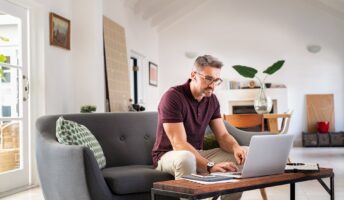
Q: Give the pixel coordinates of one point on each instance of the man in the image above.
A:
(184, 113)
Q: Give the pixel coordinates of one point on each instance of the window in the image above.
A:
(7, 75)
(6, 111)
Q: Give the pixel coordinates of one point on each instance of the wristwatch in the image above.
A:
(210, 165)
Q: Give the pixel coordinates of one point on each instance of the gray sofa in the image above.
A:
(70, 172)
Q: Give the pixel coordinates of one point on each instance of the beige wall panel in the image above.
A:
(116, 65)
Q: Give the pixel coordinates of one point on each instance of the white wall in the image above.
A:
(141, 38)
(62, 80)
(58, 64)
(88, 79)
(74, 78)
(258, 33)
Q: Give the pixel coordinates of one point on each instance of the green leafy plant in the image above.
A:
(88, 108)
(4, 39)
(250, 72)
(2, 60)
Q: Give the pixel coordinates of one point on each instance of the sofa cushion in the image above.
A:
(133, 178)
(72, 133)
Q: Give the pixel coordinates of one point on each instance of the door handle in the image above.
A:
(26, 88)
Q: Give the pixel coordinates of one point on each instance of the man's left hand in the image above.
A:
(239, 154)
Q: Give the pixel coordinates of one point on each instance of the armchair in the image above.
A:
(71, 172)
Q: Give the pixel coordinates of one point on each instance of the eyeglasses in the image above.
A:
(210, 80)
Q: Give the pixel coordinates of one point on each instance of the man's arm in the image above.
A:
(177, 136)
(226, 141)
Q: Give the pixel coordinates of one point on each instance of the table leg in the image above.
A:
(152, 195)
(292, 191)
(215, 197)
(263, 194)
(332, 187)
(330, 190)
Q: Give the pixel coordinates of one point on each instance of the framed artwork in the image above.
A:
(59, 31)
(153, 74)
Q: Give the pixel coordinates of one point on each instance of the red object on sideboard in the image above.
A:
(323, 127)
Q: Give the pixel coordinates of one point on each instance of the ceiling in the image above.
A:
(163, 13)
(335, 7)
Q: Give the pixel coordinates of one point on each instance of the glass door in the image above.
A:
(14, 148)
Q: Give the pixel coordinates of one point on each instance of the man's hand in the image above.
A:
(224, 167)
(239, 154)
(227, 141)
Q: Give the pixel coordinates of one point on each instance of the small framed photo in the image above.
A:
(59, 31)
(153, 74)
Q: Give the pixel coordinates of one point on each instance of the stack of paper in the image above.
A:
(208, 179)
(301, 167)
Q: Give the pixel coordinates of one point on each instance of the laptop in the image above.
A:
(267, 155)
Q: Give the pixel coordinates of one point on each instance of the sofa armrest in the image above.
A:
(97, 186)
(242, 137)
(61, 170)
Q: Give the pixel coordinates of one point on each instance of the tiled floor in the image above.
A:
(309, 190)
(32, 194)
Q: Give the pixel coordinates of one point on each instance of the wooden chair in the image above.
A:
(247, 121)
(273, 122)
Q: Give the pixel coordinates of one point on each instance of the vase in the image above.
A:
(262, 102)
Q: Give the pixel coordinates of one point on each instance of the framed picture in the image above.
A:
(153, 74)
(59, 31)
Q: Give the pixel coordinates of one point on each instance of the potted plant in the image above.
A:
(262, 103)
(88, 108)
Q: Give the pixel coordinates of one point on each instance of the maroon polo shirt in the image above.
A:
(178, 105)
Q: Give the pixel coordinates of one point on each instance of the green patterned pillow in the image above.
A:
(72, 133)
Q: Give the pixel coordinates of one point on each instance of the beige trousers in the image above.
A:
(180, 163)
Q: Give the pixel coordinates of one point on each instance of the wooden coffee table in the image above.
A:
(191, 190)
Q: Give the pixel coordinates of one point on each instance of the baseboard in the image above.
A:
(17, 190)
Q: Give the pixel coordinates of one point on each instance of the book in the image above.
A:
(302, 167)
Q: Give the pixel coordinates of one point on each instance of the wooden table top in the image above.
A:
(192, 188)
